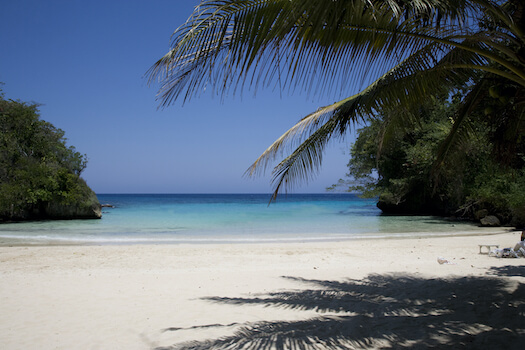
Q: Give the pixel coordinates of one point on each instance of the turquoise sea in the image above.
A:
(226, 218)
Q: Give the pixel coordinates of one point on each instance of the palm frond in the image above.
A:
(417, 48)
(226, 42)
(460, 129)
(305, 161)
(400, 89)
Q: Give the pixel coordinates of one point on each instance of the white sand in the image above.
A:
(352, 294)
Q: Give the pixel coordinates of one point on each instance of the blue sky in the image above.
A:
(85, 61)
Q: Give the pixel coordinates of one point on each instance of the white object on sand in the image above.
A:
(503, 253)
(442, 260)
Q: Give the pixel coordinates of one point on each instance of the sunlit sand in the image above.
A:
(361, 293)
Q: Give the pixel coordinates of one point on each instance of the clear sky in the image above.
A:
(85, 61)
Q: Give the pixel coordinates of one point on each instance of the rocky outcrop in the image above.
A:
(480, 214)
(414, 203)
(490, 221)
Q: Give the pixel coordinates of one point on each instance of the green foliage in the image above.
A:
(501, 191)
(401, 156)
(397, 163)
(36, 165)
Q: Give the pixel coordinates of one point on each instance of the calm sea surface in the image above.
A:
(222, 218)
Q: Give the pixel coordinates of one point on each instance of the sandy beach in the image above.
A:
(333, 295)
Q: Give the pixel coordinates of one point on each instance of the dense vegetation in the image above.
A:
(39, 174)
(482, 175)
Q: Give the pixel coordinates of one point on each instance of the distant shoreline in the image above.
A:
(43, 242)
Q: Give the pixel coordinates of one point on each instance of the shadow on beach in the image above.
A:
(386, 311)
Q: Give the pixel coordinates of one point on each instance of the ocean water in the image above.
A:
(229, 218)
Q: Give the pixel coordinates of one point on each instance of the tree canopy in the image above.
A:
(411, 49)
(398, 168)
(38, 171)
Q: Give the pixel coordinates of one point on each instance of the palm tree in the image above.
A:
(412, 48)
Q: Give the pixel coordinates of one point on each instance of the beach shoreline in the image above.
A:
(147, 296)
(14, 241)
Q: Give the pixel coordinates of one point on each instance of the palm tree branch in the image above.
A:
(489, 69)
(196, 43)
(306, 125)
(489, 40)
(305, 161)
(498, 11)
(468, 104)
(223, 44)
(449, 41)
(389, 91)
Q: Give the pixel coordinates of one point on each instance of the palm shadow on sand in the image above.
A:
(386, 311)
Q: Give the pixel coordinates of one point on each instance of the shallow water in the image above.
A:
(223, 218)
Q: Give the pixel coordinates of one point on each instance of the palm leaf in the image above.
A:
(321, 45)
(461, 129)
(312, 39)
(399, 90)
(394, 95)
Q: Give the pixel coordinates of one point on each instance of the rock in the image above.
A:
(491, 221)
(480, 214)
(413, 203)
